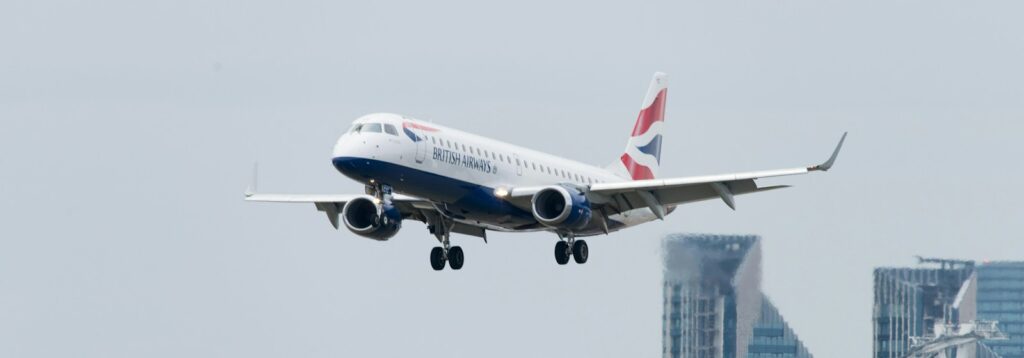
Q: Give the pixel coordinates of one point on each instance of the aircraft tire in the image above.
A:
(456, 258)
(580, 251)
(437, 258)
(562, 253)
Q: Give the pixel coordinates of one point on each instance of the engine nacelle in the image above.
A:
(561, 206)
(365, 218)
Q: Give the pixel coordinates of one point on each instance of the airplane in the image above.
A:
(457, 182)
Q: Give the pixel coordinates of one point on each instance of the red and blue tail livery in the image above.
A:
(642, 156)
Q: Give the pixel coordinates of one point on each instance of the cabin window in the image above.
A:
(390, 129)
(432, 139)
(517, 162)
(549, 170)
(534, 166)
(463, 147)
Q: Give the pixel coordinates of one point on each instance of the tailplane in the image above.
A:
(642, 156)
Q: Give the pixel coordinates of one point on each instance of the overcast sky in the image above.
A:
(128, 130)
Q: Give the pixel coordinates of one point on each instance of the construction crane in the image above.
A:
(953, 336)
(946, 264)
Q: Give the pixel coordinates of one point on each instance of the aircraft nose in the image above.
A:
(342, 147)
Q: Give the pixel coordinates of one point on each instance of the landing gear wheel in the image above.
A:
(455, 257)
(437, 258)
(580, 251)
(562, 253)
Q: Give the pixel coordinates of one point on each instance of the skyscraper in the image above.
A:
(909, 302)
(713, 304)
(1001, 298)
(773, 338)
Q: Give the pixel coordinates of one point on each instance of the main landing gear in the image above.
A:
(570, 247)
(438, 225)
(442, 229)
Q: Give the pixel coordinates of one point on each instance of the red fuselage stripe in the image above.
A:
(418, 126)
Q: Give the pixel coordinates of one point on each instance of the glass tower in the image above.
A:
(773, 338)
(713, 305)
(1001, 298)
(909, 302)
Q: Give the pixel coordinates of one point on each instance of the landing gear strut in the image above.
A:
(570, 247)
(441, 227)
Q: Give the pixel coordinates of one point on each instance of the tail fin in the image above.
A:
(642, 156)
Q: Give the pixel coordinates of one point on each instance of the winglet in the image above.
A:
(831, 160)
(251, 189)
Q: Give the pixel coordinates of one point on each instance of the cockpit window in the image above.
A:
(371, 128)
(390, 129)
(355, 128)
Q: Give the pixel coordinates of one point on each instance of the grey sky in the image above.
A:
(128, 131)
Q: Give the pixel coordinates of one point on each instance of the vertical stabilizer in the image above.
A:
(642, 156)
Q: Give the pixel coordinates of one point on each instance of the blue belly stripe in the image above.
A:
(463, 199)
(469, 200)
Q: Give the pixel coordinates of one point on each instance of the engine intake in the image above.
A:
(561, 206)
(364, 217)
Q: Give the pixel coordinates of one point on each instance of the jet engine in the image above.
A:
(561, 206)
(365, 217)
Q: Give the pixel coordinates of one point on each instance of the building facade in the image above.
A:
(1001, 298)
(773, 338)
(909, 302)
(713, 305)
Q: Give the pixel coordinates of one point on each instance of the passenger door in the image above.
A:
(421, 147)
(518, 164)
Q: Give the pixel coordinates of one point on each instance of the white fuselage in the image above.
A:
(465, 172)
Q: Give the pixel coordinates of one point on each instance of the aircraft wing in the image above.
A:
(658, 194)
(318, 198)
(331, 204)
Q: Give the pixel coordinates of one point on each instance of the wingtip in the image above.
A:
(251, 189)
(832, 159)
